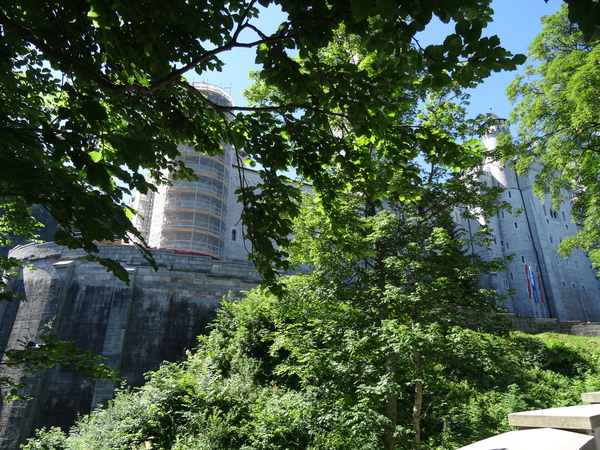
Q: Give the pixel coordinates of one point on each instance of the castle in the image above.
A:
(546, 284)
(196, 232)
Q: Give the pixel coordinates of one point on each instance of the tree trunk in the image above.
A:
(391, 408)
(418, 401)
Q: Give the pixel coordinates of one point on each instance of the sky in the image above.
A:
(516, 23)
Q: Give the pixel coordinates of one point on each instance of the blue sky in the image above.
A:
(516, 22)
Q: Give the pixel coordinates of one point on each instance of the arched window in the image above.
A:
(233, 234)
(544, 207)
(509, 194)
(551, 239)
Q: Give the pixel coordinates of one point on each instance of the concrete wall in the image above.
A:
(136, 326)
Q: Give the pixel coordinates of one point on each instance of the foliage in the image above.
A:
(558, 126)
(48, 352)
(235, 391)
(96, 91)
(586, 14)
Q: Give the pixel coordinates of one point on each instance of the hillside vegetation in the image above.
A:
(245, 387)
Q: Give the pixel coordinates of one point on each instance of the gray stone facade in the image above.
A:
(567, 287)
(136, 326)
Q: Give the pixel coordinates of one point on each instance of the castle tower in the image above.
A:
(191, 216)
(545, 284)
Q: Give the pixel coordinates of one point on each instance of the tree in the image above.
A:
(382, 319)
(558, 126)
(388, 292)
(96, 91)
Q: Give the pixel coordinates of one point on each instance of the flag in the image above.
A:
(528, 282)
(534, 285)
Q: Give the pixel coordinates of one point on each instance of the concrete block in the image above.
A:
(583, 418)
(590, 397)
(536, 439)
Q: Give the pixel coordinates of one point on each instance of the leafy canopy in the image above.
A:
(96, 91)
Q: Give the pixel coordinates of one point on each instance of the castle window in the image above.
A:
(564, 284)
(573, 284)
(544, 207)
(563, 214)
(511, 276)
(509, 194)
(566, 226)
(582, 287)
(507, 245)
(505, 282)
(551, 239)
(522, 259)
(560, 239)
(502, 212)
(233, 234)
(516, 226)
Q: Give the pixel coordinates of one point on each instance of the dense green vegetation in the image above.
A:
(246, 388)
(375, 348)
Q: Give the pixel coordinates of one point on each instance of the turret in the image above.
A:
(497, 127)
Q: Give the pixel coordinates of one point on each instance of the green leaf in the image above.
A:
(361, 9)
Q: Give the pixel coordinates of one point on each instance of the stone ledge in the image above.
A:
(582, 418)
(536, 439)
(590, 397)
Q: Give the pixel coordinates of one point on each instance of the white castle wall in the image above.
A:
(568, 285)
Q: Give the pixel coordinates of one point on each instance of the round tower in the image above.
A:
(194, 213)
(501, 172)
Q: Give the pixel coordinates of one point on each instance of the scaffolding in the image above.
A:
(194, 215)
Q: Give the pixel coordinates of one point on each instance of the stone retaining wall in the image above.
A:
(531, 325)
(136, 326)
